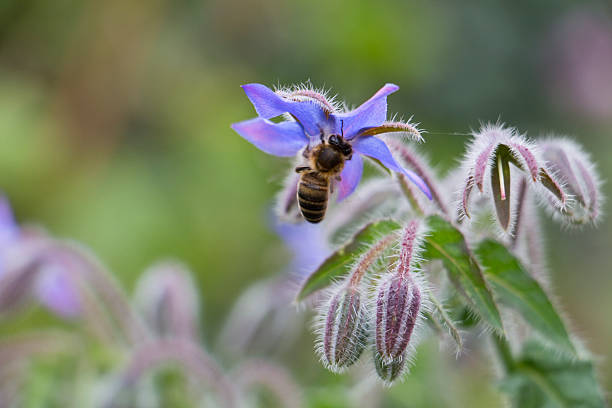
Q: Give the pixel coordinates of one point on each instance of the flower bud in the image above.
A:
(342, 322)
(261, 320)
(398, 301)
(33, 270)
(397, 309)
(166, 297)
(490, 154)
(343, 327)
(576, 171)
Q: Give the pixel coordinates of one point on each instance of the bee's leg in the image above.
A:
(301, 169)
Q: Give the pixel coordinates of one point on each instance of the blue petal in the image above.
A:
(56, 291)
(372, 112)
(279, 139)
(9, 230)
(376, 148)
(351, 175)
(269, 104)
(308, 245)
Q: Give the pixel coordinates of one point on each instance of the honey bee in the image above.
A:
(326, 161)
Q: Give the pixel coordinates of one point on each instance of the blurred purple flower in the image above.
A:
(308, 245)
(23, 270)
(55, 290)
(9, 230)
(315, 116)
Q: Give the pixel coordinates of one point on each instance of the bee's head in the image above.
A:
(338, 142)
(331, 154)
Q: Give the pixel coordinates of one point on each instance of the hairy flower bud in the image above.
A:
(577, 172)
(166, 297)
(397, 309)
(261, 320)
(342, 323)
(490, 154)
(344, 327)
(398, 302)
(30, 269)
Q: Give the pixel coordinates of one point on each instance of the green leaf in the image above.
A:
(447, 243)
(543, 378)
(516, 288)
(337, 264)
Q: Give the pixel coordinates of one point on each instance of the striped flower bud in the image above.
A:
(344, 331)
(579, 176)
(342, 323)
(398, 302)
(397, 310)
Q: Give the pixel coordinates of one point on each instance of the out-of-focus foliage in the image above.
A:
(114, 130)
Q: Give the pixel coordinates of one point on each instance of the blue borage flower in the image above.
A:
(313, 114)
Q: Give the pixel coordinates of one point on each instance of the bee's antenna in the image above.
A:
(342, 127)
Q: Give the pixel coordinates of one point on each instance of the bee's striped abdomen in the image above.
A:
(312, 196)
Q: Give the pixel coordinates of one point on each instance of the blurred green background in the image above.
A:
(114, 120)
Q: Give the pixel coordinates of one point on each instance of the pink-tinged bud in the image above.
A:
(166, 297)
(33, 271)
(342, 322)
(397, 310)
(389, 371)
(398, 301)
(262, 320)
(576, 171)
(344, 329)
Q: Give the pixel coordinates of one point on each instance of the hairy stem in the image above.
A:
(369, 258)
